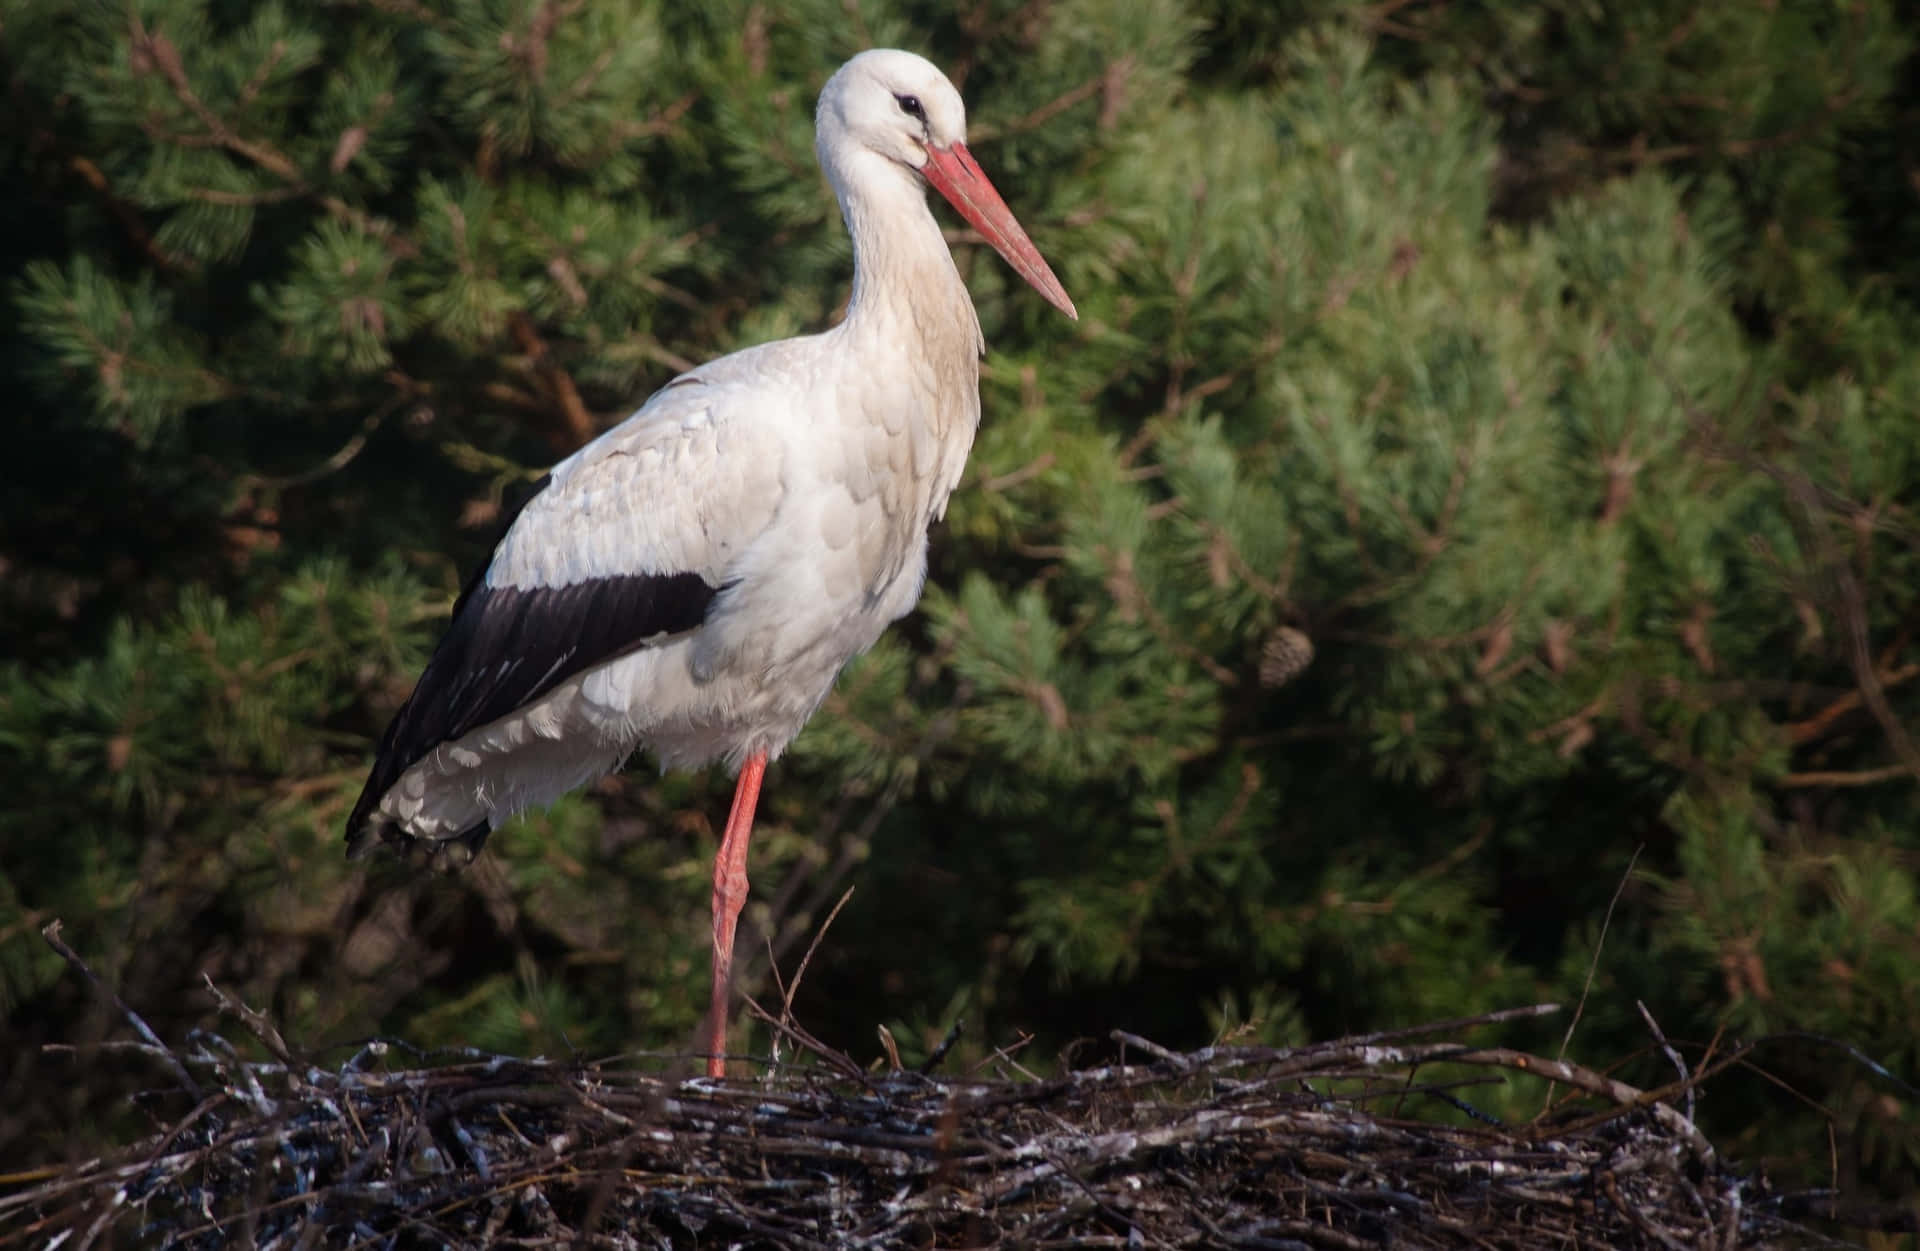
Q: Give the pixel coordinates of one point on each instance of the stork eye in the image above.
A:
(910, 105)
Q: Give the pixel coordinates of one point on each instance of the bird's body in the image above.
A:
(807, 537)
(693, 580)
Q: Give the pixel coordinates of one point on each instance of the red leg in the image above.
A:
(729, 896)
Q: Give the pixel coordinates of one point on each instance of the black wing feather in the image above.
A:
(508, 646)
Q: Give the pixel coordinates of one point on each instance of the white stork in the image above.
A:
(693, 580)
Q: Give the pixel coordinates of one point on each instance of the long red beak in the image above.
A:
(956, 175)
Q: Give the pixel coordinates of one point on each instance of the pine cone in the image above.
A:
(1285, 656)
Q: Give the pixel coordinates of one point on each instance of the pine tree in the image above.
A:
(1482, 483)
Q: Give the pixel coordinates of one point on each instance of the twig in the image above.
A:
(786, 1002)
(891, 1047)
(1679, 1065)
(1174, 1060)
(838, 1059)
(51, 932)
(1005, 1054)
(258, 1025)
(1632, 1212)
(255, 1094)
(1595, 1084)
(939, 1053)
(334, 463)
(1598, 946)
(1853, 1053)
(1457, 1025)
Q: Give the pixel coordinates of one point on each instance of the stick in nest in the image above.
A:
(1231, 1145)
(1594, 964)
(51, 932)
(259, 1026)
(789, 990)
(784, 1025)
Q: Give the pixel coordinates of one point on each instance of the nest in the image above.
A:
(1334, 1145)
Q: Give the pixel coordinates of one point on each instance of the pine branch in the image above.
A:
(157, 50)
(577, 423)
(127, 216)
(1810, 729)
(1865, 777)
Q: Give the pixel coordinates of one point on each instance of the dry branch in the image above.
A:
(1322, 1146)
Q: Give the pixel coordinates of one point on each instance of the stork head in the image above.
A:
(898, 106)
(893, 103)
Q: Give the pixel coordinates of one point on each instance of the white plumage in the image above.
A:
(693, 580)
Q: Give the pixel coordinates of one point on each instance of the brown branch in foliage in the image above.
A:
(577, 422)
(410, 9)
(124, 213)
(1112, 79)
(661, 122)
(1853, 612)
(1806, 731)
(1863, 777)
(1637, 155)
(156, 51)
(1816, 505)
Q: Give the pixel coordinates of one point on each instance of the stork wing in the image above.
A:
(626, 542)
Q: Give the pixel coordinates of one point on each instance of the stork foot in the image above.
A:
(447, 855)
(450, 855)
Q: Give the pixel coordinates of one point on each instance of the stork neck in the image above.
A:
(904, 279)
